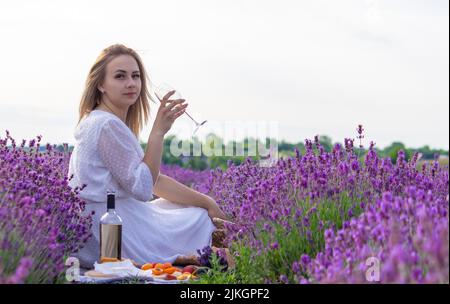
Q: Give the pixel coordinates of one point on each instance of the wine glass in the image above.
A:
(164, 88)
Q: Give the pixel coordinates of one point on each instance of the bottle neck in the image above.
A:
(111, 210)
(111, 202)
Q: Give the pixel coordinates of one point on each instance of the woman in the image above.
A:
(107, 155)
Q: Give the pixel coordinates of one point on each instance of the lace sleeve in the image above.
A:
(116, 149)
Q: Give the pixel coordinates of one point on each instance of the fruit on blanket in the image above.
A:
(170, 270)
(186, 276)
(157, 271)
(189, 269)
(107, 260)
(170, 277)
(183, 276)
(147, 266)
(163, 266)
(160, 268)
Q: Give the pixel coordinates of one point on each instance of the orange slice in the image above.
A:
(170, 270)
(157, 271)
(147, 266)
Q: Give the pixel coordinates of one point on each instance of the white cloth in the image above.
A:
(107, 155)
(119, 271)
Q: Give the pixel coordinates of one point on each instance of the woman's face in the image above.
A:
(122, 77)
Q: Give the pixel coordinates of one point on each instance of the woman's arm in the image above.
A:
(164, 119)
(169, 189)
(153, 154)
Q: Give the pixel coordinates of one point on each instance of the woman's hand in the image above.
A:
(168, 112)
(214, 210)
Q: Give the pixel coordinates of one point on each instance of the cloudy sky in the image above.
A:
(312, 67)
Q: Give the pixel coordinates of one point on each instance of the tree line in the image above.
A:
(285, 149)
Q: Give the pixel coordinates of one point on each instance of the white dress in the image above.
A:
(107, 155)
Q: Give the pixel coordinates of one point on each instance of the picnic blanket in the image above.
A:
(118, 271)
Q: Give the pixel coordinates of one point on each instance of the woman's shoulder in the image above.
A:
(98, 120)
(101, 119)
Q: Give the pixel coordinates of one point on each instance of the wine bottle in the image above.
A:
(110, 230)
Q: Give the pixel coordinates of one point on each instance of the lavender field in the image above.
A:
(318, 217)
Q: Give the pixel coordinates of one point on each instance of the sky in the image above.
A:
(309, 67)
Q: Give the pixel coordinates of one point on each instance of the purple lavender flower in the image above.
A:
(39, 212)
(21, 272)
(274, 246)
(284, 279)
(305, 259)
(295, 267)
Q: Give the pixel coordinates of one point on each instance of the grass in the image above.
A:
(266, 265)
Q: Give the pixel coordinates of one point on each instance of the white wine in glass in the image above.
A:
(164, 88)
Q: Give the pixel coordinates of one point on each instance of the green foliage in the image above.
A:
(285, 149)
(216, 274)
(326, 142)
(254, 267)
(393, 149)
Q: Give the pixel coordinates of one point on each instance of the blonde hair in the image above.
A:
(138, 113)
